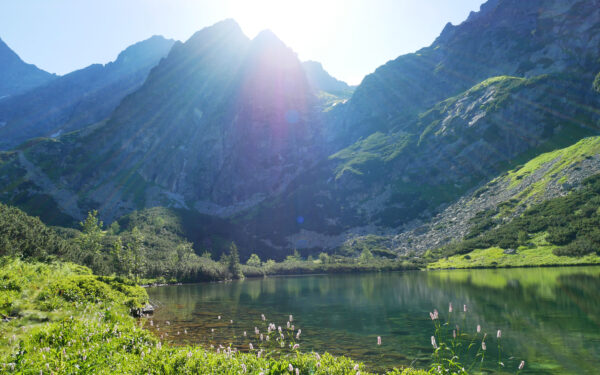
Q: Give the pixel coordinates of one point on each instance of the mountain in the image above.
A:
(79, 98)
(16, 76)
(323, 81)
(239, 132)
(506, 37)
(238, 115)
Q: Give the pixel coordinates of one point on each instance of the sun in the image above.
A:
(302, 25)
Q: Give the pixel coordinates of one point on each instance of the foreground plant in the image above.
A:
(453, 347)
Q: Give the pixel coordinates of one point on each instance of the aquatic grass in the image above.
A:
(458, 352)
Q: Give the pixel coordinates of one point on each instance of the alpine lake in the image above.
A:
(548, 317)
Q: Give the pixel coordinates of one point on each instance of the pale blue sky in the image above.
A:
(350, 37)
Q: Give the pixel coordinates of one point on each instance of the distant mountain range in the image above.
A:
(276, 154)
(16, 76)
(80, 98)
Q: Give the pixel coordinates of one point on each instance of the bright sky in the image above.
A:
(349, 37)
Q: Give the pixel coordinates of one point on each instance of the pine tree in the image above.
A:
(235, 269)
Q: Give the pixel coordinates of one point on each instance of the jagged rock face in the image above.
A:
(16, 76)
(79, 98)
(507, 37)
(273, 131)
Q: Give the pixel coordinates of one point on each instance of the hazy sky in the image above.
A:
(350, 37)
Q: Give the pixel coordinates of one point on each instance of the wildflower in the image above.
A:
(293, 327)
(290, 367)
(521, 365)
(465, 308)
(251, 346)
(261, 337)
(263, 317)
(499, 334)
(259, 353)
(454, 333)
(434, 315)
(244, 367)
(212, 330)
(356, 367)
(256, 331)
(298, 334)
(296, 346)
(297, 371)
(231, 322)
(450, 307)
(219, 317)
(317, 356)
(478, 328)
(433, 343)
(483, 345)
(189, 354)
(291, 318)
(318, 364)
(288, 325)
(378, 340)
(185, 331)
(169, 323)
(244, 333)
(279, 329)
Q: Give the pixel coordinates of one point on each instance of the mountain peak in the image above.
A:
(226, 27)
(146, 50)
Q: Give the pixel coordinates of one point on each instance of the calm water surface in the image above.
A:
(549, 317)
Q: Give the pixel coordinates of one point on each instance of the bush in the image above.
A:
(27, 237)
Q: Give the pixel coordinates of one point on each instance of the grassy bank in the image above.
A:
(59, 318)
(523, 257)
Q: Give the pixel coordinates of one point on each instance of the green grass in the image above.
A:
(525, 257)
(561, 159)
(375, 149)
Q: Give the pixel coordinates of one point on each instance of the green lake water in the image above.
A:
(549, 317)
